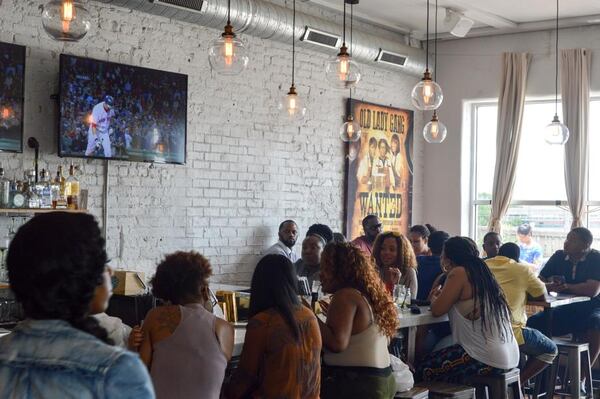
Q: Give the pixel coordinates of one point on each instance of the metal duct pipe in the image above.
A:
(265, 20)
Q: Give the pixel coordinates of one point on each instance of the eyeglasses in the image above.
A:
(376, 226)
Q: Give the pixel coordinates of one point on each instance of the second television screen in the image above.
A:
(117, 111)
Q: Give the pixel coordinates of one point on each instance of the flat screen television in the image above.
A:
(121, 112)
(12, 94)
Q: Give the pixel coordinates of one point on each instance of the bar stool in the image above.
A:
(497, 385)
(438, 390)
(573, 352)
(415, 393)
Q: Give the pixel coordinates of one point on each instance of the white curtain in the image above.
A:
(511, 103)
(575, 91)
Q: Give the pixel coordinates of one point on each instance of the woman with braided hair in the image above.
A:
(58, 273)
(479, 318)
(360, 320)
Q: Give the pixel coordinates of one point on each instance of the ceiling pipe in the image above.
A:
(265, 20)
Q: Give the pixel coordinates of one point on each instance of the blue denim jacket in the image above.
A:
(51, 359)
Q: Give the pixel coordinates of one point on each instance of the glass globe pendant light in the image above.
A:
(556, 132)
(435, 131)
(227, 55)
(292, 106)
(350, 130)
(66, 20)
(427, 95)
(343, 72)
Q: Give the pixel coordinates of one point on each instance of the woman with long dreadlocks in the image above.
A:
(479, 319)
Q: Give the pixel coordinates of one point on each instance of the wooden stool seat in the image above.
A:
(497, 385)
(447, 390)
(415, 393)
(574, 351)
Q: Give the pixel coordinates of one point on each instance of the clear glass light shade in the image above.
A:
(342, 72)
(227, 55)
(350, 131)
(435, 131)
(66, 20)
(427, 95)
(556, 132)
(292, 107)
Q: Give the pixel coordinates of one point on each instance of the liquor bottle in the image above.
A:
(61, 200)
(17, 196)
(72, 189)
(32, 199)
(44, 190)
(4, 190)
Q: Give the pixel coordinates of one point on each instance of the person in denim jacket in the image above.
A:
(57, 271)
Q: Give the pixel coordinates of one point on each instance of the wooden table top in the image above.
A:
(559, 300)
(408, 319)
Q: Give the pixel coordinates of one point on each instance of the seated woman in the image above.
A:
(185, 346)
(419, 238)
(479, 319)
(360, 320)
(282, 347)
(58, 273)
(395, 259)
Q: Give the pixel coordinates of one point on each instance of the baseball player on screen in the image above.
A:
(98, 134)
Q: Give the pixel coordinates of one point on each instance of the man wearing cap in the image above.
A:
(98, 133)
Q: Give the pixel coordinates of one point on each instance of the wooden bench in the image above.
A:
(496, 386)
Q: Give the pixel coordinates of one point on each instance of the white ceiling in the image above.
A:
(490, 16)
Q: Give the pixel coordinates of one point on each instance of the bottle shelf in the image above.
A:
(33, 211)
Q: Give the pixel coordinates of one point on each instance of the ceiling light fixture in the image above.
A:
(66, 20)
(227, 55)
(343, 72)
(350, 130)
(291, 105)
(435, 131)
(460, 25)
(556, 132)
(427, 95)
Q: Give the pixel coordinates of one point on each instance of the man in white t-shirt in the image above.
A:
(98, 133)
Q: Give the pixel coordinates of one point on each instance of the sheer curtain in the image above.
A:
(511, 103)
(575, 91)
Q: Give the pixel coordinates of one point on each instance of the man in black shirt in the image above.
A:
(575, 270)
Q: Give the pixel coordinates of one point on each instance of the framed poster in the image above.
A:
(379, 168)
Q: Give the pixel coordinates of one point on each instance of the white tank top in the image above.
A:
(490, 349)
(368, 348)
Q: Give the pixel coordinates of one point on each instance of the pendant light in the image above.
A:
(435, 131)
(556, 132)
(350, 130)
(227, 55)
(291, 105)
(343, 72)
(66, 20)
(427, 95)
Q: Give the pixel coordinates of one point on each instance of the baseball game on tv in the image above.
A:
(121, 112)
(12, 77)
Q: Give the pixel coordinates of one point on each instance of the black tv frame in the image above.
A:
(24, 52)
(59, 100)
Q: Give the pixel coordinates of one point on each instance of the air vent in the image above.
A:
(387, 57)
(187, 5)
(320, 38)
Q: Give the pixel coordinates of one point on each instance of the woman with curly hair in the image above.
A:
(185, 346)
(58, 273)
(361, 319)
(479, 318)
(396, 261)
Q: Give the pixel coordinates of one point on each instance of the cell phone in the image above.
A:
(559, 280)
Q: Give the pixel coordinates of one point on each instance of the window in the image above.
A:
(539, 194)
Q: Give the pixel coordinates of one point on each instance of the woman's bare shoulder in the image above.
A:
(163, 317)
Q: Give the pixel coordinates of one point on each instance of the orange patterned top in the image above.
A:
(273, 364)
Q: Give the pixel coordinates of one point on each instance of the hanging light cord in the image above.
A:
(344, 33)
(228, 12)
(293, 40)
(351, 41)
(427, 40)
(435, 39)
(556, 66)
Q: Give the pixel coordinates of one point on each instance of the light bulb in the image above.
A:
(427, 95)
(228, 55)
(66, 20)
(435, 131)
(556, 132)
(6, 113)
(291, 106)
(350, 130)
(343, 72)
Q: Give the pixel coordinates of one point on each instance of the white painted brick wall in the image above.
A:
(245, 171)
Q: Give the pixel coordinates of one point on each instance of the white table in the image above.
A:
(412, 321)
(239, 336)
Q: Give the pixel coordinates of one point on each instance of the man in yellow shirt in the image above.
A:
(518, 281)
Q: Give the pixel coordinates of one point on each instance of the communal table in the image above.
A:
(412, 321)
(552, 302)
